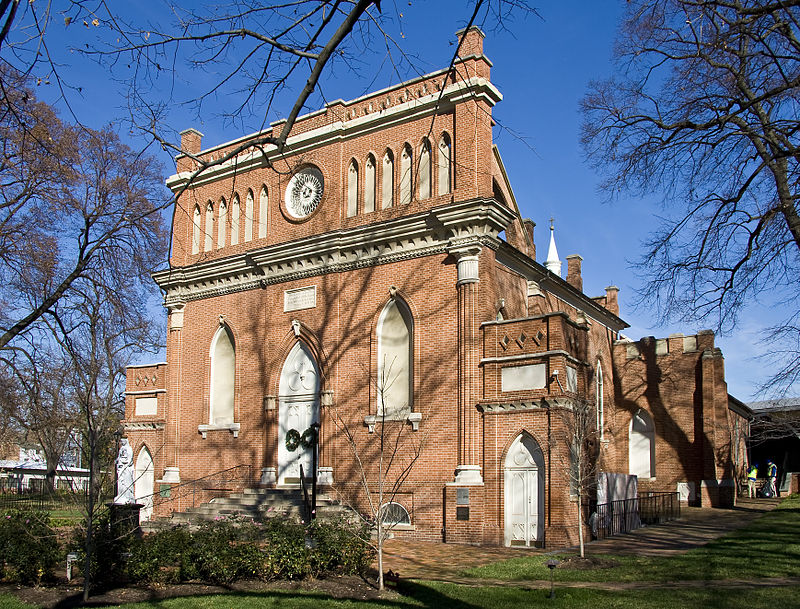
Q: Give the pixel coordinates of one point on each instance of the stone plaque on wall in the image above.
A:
(300, 298)
(522, 378)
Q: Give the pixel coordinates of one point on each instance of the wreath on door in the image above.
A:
(295, 439)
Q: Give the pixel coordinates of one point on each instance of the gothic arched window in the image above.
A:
(222, 224)
(223, 374)
(387, 180)
(248, 216)
(642, 445)
(425, 170)
(406, 182)
(263, 207)
(209, 240)
(352, 189)
(196, 230)
(395, 359)
(369, 185)
(235, 215)
(443, 164)
(598, 393)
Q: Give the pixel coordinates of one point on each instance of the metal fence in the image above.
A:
(39, 501)
(626, 515)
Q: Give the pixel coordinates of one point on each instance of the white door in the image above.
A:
(524, 493)
(143, 484)
(298, 408)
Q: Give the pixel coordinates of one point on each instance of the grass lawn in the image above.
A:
(451, 596)
(768, 547)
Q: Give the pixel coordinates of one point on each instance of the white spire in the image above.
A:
(552, 264)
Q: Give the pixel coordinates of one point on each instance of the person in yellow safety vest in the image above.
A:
(772, 475)
(752, 476)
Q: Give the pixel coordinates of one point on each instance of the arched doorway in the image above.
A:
(143, 484)
(524, 492)
(298, 409)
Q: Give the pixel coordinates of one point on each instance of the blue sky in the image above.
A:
(542, 65)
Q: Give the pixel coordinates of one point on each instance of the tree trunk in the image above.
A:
(580, 525)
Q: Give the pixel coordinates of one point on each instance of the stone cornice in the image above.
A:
(503, 407)
(476, 88)
(143, 425)
(436, 231)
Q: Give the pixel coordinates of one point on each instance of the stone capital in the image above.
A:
(467, 258)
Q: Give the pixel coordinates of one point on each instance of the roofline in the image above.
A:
(739, 407)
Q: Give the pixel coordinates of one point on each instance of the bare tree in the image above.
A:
(702, 107)
(45, 409)
(384, 452)
(574, 437)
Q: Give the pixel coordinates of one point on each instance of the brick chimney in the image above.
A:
(529, 226)
(191, 143)
(472, 43)
(574, 271)
(612, 299)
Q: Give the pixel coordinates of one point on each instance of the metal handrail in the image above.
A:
(201, 487)
(626, 515)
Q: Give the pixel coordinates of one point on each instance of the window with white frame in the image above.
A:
(223, 375)
(394, 514)
(598, 392)
(395, 360)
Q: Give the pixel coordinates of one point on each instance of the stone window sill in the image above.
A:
(231, 427)
(412, 417)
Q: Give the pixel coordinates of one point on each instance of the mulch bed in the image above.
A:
(62, 595)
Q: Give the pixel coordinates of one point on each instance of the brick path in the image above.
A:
(696, 527)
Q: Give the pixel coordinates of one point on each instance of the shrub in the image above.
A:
(29, 548)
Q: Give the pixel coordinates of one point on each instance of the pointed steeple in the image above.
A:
(552, 264)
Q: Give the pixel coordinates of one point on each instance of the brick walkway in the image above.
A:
(696, 527)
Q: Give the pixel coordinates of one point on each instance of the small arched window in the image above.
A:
(209, 240)
(235, 214)
(395, 360)
(196, 229)
(352, 189)
(263, 207)
(223, 374)
(387, 180)
(369, 185)
(425, 170)
(394, 514)
(598, 392)
(222, 224)
(248, 216)
(642, 445)
(406, 185)
(443, 164)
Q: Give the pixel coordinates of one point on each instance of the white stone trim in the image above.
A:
(269, 476)
(467, 475)
(133, 366)
(476, 223)
(171, 476)
(414, 418)
(231, 427)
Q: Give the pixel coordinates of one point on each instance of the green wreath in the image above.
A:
(308, 439)
(293, 440)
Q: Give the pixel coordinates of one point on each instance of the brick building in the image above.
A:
(378, 279)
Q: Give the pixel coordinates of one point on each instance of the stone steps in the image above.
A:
(252, 503)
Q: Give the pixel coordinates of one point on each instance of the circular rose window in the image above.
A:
(304, 192)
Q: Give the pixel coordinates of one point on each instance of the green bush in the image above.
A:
(29, 548)
(231, 549)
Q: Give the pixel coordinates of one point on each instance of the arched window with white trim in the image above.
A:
(598, 393)
(443, 164)
(352, 189)
(387, 180)
(642, 445)
(395, 360)
(249, 210)
(222, 224)
(263, 207)
(223, 375)
(369, 185)
(209, 231)
(235, 215)
(196, 230)
(406, 181)
(425, 170)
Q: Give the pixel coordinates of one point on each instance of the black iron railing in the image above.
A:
(202, 490)
(626, 515)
